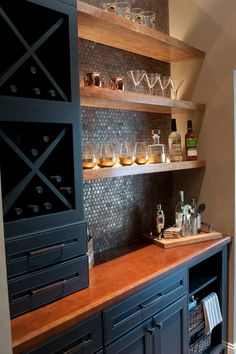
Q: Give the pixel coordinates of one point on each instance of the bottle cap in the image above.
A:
(173, 125)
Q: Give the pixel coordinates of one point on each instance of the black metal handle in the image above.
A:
(46, 250)
(151, 330)
(49, 288)
(158, 325)
(78, 347)
(145, 305)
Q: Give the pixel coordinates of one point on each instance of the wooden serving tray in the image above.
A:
(185, 240)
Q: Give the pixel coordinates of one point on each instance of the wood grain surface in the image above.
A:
(121, 33)
(109, 282)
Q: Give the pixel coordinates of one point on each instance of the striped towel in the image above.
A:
(212, 312)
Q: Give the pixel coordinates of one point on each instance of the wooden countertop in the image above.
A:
(109, 282)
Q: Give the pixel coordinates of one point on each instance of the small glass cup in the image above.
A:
(136, 14)
(141, 153)
(126, 154)
(149, 18)
(116, 83)
(107, 155)
(89, 159)
(157, 153)
(123, 9)
(109, 6)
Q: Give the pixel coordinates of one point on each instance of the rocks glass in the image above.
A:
(107, 155)
(149, 18)
(141, 153)
(126, 154)
(89, 159)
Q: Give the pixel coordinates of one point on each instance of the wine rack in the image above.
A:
(37, 63)
(39, 179)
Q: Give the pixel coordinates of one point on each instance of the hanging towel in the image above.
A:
(212, 312)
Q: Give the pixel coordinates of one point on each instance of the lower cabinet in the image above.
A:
(164, 333)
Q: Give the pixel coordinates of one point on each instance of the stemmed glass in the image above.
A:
(164, 83)
(136, 76)
(175, 85)
(152, 80)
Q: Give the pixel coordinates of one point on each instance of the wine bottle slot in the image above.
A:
(39, 189)
(67, 190)
(47, 206)
(34, 152)
(36, 91)
(57, 178)
(18, 211)
(33, 207)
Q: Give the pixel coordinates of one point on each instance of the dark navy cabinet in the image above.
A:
(40, 152)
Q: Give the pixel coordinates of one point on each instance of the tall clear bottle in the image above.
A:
(160, 221)
(174, 140)
(179, 210)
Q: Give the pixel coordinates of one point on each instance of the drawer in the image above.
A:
(122, 317)
(38, 288)
(85, 338)
(35, 251)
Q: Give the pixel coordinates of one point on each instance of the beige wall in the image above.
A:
(5, 336)
(210, 25)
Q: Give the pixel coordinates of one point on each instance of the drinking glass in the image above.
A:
(89, 156)
(164, 83)
(141, 153)
(107, 155)
(123, 9)
(149, 18)
(109, 6)
(136, 76)
(136, 14)
(126, 155)
(152, 80)
(175, 85)
(156, 153)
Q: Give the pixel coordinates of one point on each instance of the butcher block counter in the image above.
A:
(109, 283)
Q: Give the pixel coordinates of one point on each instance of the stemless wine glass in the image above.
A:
(126, 155)
(136, 76)
(151, 80)
(175, 85)
(136, 14)
(123, 9)
(109, 5)
(164, 83)
(149, 18)
(141, 153)
(107, 155)
(89, 156)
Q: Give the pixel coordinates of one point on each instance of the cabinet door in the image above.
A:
(137, 341)
(171, 331)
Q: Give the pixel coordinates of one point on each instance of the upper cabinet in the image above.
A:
(106, 28)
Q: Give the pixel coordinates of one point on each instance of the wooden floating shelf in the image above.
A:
(119, 171)
(105, 98)
(102, 27)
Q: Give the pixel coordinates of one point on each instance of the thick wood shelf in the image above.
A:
(106, 98)
(99, 26)
(118, 171)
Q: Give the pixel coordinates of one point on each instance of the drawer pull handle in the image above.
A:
(158, 325)
(77, 349)
(145, 305)
(49, 287)
(46, 250)
(151, 331)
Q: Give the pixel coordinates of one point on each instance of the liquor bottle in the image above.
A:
(34, 152)
(179, 210)
(47, 206)
(174, 140)
(36, 91)
(34, 208)
(18, 211)
(160, 221)
(52, 93)
(46, 138)
(57, 178)
(13, 88)
(33, 70)
(67, 190)
(190, 143)
(38, 189)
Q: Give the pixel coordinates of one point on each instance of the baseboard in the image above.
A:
(231, 348)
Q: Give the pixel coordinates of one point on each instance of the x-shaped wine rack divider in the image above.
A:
(9, 200)
(30, 51)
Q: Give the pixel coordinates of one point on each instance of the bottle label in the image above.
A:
(191, 152)
(178, 219)
(191, 142)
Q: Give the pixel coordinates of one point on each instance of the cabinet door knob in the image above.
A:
(151, 330)
(158, 325)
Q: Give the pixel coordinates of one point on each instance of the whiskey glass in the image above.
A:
(151, 80)
(126, 154)
(123, 9)
(149, 18)
(164, 83)
(107, 155)
(136, 77)
(141, 153)
(156, 153)
(89, 159)
(109, 6)
(175, 86)
(136, 14)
